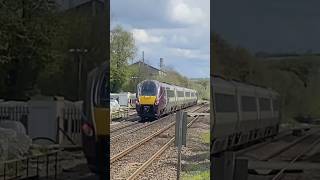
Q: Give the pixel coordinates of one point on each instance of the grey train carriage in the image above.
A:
(243, 113)
(155, 99)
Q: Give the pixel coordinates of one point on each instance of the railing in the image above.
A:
(123, 112)
(15, 112)
(37, 166)
(72, 123)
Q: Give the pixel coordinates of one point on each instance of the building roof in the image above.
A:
(145, 64)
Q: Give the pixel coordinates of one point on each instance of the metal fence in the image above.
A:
(71, 117)
(32, 167)
(15, 111)
(71, 123)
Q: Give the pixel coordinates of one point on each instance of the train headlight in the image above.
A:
(137, 102)
(87, 129)
(157, 102)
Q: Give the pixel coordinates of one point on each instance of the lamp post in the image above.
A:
(78, 59)
(134, 78)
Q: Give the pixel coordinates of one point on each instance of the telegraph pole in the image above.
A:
(78, 59)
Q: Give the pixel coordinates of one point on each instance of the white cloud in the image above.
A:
(176, 30)
(190, 53)
(182, 12)
(141, 36)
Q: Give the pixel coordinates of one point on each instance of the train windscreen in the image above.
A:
(148, 88)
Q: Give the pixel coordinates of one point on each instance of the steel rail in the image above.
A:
(157, 154)
(280, 174)
(288, 146)
(131, 148)
(132, 130)
(123, 126)
(145, 125)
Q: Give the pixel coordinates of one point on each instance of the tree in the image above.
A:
(122, 49)
(27, 29)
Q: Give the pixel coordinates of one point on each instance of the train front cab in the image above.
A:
(148, 100)
(96, 121)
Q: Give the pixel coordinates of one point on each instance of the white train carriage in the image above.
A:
(243, 113)
(155, 98)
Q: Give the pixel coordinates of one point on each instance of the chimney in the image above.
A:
(161, 63)
(143, 57)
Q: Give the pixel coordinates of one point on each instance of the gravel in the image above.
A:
(119, 144)
(195, 155)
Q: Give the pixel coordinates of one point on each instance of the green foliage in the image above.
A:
(205, 137)
(27, 29)
(34, 50)
(198, 175)
(122, 49)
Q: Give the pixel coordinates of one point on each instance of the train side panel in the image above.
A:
(225, 113)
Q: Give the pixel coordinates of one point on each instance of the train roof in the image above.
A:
(169, 85)
(245, 85)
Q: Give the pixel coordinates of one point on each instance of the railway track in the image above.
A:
(131, 135)
(309, 143)
(130, 128)
(125, 123)
(273, 147)
(261, 145)
(132, 154)
(276, 158)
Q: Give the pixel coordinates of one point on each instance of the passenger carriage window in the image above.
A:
(187, 94)
(248, 104)
(265, 104)
(170, 93)
(225, 103)
(275, 105)
(180, 94)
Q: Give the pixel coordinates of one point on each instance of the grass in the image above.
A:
(196, 175)
(205, 137)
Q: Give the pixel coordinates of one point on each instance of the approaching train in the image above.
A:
(96, 121)
(155, 99)
(243, 113)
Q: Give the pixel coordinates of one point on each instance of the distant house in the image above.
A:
(148, 69)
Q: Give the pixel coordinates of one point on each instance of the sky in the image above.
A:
(268, 25)
(176, 30)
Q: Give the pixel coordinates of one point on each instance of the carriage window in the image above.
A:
(275, 105)
(264, 104)
(248, 103)
(225, 103)
(187, 94)
(180, 94)
(170, 93)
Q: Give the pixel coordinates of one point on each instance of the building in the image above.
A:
(149, 70)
